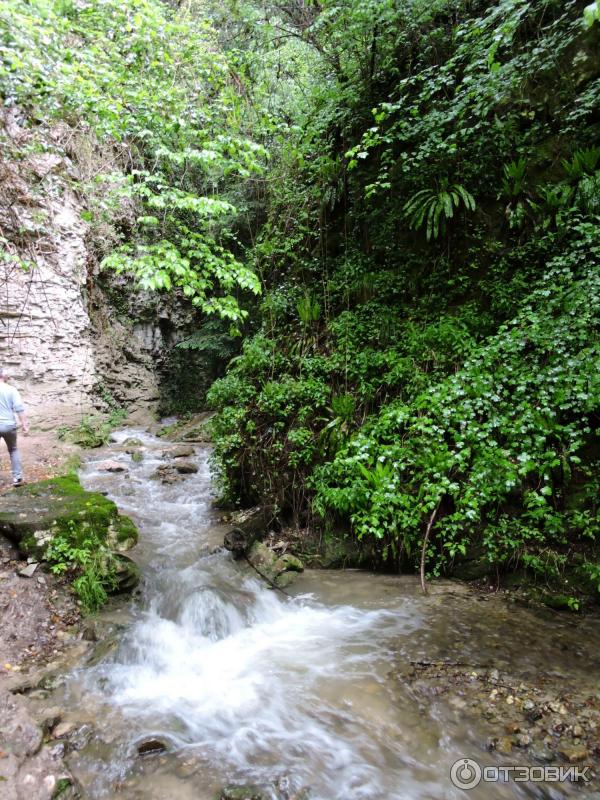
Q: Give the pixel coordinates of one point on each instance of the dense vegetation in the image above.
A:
(416, 187)
(428, 347)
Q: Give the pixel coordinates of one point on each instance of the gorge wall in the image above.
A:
(64, 345)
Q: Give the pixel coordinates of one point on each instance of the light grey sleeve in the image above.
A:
(17, 403)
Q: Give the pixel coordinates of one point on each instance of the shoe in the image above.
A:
(18, 482)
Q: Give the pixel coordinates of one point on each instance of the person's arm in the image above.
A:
(19, 410)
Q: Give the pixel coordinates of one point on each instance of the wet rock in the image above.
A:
(180, 451)
(103, 650)
(523, 740)
(288, 562)
(503, 744)
(236, 541)
(63, 729)
(278, 571)
(127, 574)
(167, 474)
(534, 714)
(80, 738)
(151, 747)
(246, 792)
(186, 467)
(49, 718)
(541, 754)
(137, 456)
(247, 526)
(133, 441)
(112, 466)
(28, 571)
(19, 734)
(573, 753)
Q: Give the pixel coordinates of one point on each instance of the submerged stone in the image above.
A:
(151, 747)
(247, 792)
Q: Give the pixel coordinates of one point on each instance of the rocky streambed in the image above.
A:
(211, 684)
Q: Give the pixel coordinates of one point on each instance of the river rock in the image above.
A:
(237, 542)
(49, 718)
(247, 792)
(127, 573)
(503, 745)
(179, 451)
(175, 472)
(573, 752)
(280, 571)
(111, 466)
(151, 747)
(186, 467)
(542, 754)
(63, 729)
(133, 441)
(247, 526)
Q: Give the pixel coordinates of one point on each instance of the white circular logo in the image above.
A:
(465, 773)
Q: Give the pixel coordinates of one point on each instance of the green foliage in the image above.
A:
(432, 209)
(90, 563)
(452, 371)
(151, 83)
(510, 426)
(93, 430)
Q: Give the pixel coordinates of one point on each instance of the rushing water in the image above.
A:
(249, 686)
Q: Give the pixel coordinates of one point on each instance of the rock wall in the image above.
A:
(63, 351)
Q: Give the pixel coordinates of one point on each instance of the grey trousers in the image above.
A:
(10, 437)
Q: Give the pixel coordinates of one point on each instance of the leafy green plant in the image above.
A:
(90, 563)
(432, 208)
(309, 310)
(583, 162)
(514, 178)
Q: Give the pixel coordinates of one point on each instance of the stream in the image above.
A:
(246, 685)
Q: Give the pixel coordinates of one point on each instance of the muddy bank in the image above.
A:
(39, 635)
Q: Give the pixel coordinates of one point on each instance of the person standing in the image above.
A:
(11, 408)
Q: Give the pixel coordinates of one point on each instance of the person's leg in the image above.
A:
(10, 437)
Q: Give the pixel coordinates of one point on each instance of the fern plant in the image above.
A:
(514, 178)
(432, 209)
(309, 310)
(583, 162)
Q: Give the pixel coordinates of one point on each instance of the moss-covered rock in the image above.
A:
(79, 534)
(236, 792)
(40, 511)
(280, 572)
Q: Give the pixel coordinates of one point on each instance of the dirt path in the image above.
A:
(43, 457)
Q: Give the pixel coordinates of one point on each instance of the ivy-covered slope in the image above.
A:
(428, 343)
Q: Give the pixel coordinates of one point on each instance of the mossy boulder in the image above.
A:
(39, 511)
(280, 572)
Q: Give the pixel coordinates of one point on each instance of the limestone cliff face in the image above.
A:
(62, 344)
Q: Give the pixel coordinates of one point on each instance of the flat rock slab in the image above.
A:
(28, 571)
